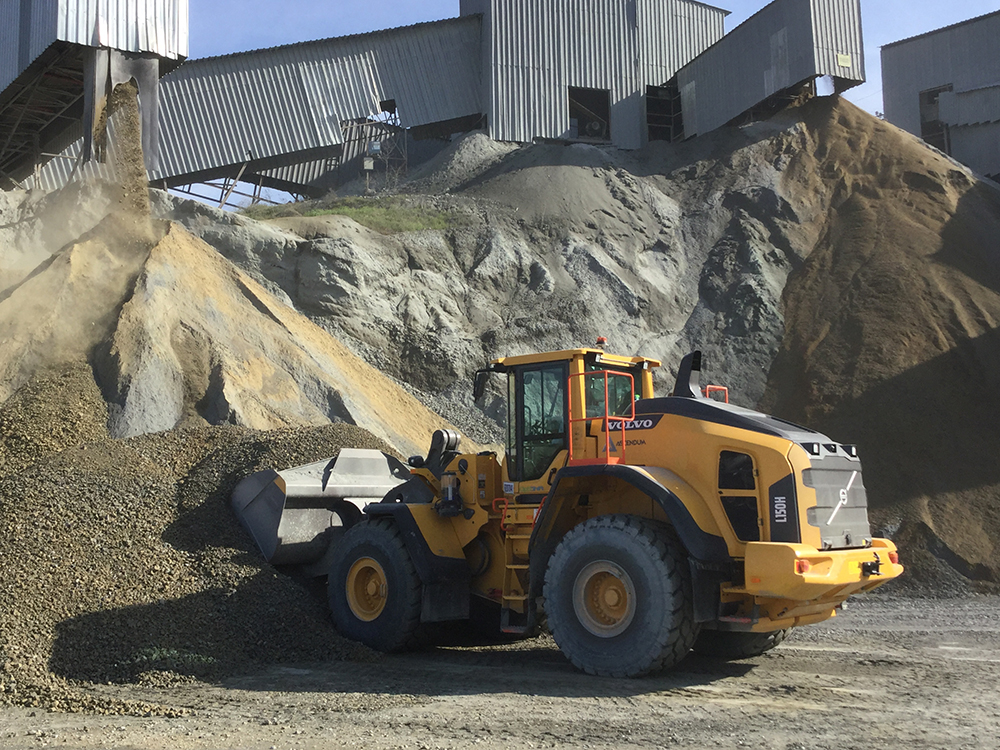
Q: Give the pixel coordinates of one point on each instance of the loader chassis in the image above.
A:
(633, 522)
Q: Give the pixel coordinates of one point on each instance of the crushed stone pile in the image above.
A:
(833, 269)
(463, 161)
(123, 562)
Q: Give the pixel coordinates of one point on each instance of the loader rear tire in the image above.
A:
(618, 597)
(373, 586)
(721, 644)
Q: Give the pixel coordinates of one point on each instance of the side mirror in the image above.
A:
(479, 384)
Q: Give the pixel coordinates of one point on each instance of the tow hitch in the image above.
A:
(873, 568)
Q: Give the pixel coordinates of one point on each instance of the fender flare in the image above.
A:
(701, 545)
(430, 567)
(446, 581)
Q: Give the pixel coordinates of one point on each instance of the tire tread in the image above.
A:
(661, 544)
(408, 634)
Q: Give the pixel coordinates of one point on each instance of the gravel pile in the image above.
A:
(53, 411)
(123, 563)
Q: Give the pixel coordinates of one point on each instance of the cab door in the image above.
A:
(537, 426)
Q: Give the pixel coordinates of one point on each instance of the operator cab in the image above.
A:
(551, 397)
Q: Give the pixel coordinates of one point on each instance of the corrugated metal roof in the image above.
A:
(784, 44)
(225, 110)
(952, 27)
(300, 46)
(974, 107)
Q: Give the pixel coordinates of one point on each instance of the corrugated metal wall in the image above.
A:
(785, 43)
(221, 111)
(536, 49)
(157, 26)
(57, 172)
(672, 33)
(974, 107)
(837, 38)
(965, 56)
(979, 147)
(29, 27)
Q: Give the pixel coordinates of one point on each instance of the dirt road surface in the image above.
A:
(887, 673)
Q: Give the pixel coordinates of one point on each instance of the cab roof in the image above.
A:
(599, 355)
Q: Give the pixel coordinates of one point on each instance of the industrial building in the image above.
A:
(60, 58)
(944, 86)
(784, 46)
(305, 117)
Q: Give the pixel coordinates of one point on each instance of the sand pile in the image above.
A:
(891, 335)
(178, 335)
(123, 563)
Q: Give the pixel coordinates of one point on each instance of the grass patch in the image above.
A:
(383, 215)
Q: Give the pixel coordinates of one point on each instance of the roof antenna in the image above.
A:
(687, 377)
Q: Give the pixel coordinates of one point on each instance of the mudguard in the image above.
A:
(446, 578)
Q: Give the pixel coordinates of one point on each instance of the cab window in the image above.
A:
(620, 395)
(541, 419)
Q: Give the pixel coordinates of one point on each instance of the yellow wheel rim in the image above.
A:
(366, 589)
(604, 599)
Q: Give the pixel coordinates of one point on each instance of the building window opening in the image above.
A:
(664, 119)
(589, 114)
(932, 130)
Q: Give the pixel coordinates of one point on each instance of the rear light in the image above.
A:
(894, 558)
(802, 566)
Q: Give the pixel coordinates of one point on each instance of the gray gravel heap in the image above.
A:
(123, 563)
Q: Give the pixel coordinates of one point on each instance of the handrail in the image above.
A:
(606, 419)
(710, 389)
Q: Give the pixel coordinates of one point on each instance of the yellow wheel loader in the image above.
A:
(641, 527)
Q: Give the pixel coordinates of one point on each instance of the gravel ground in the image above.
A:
(889, 672)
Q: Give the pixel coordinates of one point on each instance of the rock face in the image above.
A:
(550, 247)
(817, 259)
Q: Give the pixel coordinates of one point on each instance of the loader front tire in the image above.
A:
(721, 644)
(618, 597)
(374, 590)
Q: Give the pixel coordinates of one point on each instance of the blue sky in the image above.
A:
(224, 26)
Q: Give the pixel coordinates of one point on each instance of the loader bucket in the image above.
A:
(296, 514)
